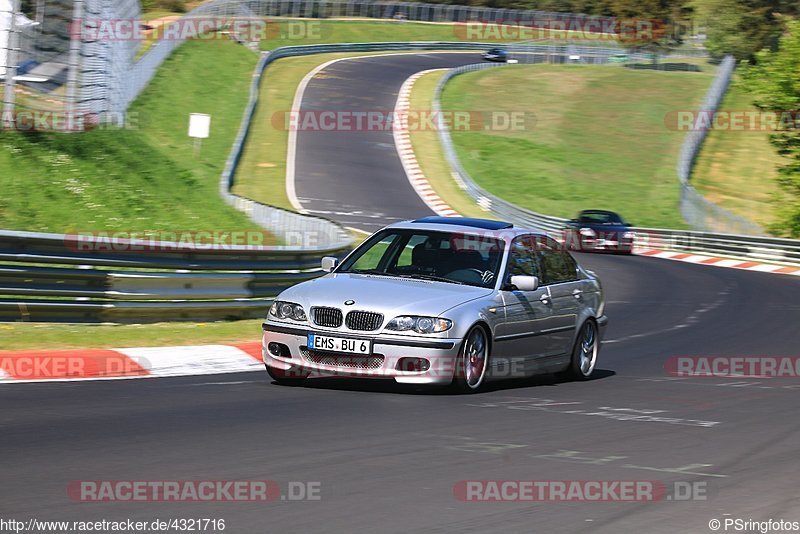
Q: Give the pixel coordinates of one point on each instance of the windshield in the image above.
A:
(600, 217)
(429, 255)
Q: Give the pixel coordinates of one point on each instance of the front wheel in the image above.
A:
(472, 362)
(584, 353)
(290, 377)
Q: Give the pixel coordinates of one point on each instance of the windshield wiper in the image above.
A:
(368, 271)
(418, 276)
(433, 277)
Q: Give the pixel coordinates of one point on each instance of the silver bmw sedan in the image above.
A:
(440, 300)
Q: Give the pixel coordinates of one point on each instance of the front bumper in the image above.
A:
(592, 244)
(442, 353)
(613, 245)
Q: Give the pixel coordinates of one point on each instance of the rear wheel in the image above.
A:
(473, 361)
(289, 377)
(584, 353)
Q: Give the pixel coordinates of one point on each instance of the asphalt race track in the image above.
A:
(355, 177)
(387, 457)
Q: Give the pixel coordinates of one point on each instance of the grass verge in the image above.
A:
(287, 31)
(737, 169)
(290, 32)
(22, 336)
(293, 32)
(599, 138)
(261, 174)
(145, 177)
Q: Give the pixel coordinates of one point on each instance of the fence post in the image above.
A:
(12, 60)
(71, 104)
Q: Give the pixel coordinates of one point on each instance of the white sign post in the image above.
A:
(199, 127)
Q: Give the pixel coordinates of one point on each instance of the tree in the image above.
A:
(28, 8)
(654, 26)
(742, 27)
(177, 6)
(775, 84)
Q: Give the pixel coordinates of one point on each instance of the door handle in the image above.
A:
(545, 298)
(577, 293)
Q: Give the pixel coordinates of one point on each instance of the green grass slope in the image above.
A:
(738, 168)
(142, 178)
(600, 139)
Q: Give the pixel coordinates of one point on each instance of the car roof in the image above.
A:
(485, 224)
(469, 225)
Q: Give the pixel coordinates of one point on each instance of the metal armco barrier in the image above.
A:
(64, 311)
(120, 90)
(497, 206)
(167, 281)
(78, 283)
(292, 227)
(700, 213)
(52, 277)
(775, 250)
(783, 251)
(29, 291)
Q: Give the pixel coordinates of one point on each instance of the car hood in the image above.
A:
(390, 296)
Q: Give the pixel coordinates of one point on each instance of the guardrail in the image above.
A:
(573, 53)
(294, 228)
(53, 277)
(123, 89)
(702, 214)
(288, 226)
(782, 251)
(756, 248)
(502, 209)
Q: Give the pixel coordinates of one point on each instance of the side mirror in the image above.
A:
(525, 283)
(329, 263)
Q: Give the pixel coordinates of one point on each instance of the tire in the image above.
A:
(584, 353)
(473, 360)
(291, 377)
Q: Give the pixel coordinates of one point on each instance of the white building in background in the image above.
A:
(6, 14)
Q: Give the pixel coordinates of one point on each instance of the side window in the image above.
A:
(406, 258)
(557, 265)
(522, 258)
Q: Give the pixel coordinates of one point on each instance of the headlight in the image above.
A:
(287, 310)
(422, 325)
(588, 232)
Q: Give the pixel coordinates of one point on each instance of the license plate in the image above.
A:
(339, 344)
